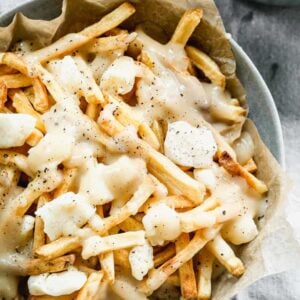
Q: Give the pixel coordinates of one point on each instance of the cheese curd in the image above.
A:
(190, 146)
(15, 129)
(65, 215)
(161, 223)
(57, 284)
(141, 260)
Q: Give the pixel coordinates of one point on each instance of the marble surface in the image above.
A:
(271, 38)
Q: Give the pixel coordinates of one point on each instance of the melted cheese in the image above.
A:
(188, 146)
(15, 129)
(65, 215)
(56, 284)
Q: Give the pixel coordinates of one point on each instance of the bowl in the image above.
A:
(262, 108)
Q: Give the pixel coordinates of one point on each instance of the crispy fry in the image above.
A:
(14, 61)
(46, 297)
(121, 259)
(68, 178)
(38, 266)
(186, 271)
(71, 42)
(22, 105)
(13, 81)
(250, 166)
(225, 255)
(92, 110)
(235, 169)
(205, 265)
(158, 276)
(6, 70)
(58, 247)
(3, 94)
(186, 26)
(210, 69)
(34, 137)
(158, 131)
(131, 224)
(164, 255)
(40, 101)
(90, 288)
(39, 236)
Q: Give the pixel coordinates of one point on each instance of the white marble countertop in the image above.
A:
(271, 38)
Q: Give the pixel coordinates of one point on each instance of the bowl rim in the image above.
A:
(7, 17)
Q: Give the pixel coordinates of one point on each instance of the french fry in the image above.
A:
(40, 101)
(131, 224)
(6, 70)
(225, 255)
(162, 256)
(38, 235)
(92, 110)
(173, 280)
(38, 266)
(143, 192)
(203, 62)
(186, 26)
(68, 178)
(205, 267)
(156, 277)
(22, 105)
(13, 81)
(71, 42)
(97, 245)
(58, 247)
(13, 61)
(3, 94)
(34, 137)
(121, 259)
(90, 288)
(158, 131)
(235, 169)
(186, 271)
(250, 166)
(46, 297)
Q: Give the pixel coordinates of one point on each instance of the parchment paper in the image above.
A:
(275, 249)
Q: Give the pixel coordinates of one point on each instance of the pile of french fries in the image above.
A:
(29, 84)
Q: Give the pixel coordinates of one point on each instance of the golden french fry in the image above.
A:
(158, 131)
(6, 70)
(38, 235)
(121, 259)
(90, 288)
(71, 42)
(68, 178)
(34, 137)
(210, 69)
(173, 280)
(22, 105)
(92, 110)
(131, 224)
(205, 267)
(40, 102)
(38, 266)
(13, 61)
(3, 94)
(46, 297)
(225, 255)
(59, 247)
(186, 271)
(250, 166)
(235, 169)
(156, 277)
(186, 26)
(13, 81)
(164, 255)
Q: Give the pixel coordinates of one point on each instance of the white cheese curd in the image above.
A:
(102, 183)
(65, 215)
(161, 223)
(15, 129)
(207, 177)
(189, 146)
(119, 77)
(50, 151)
(141, 260)
(57, 284)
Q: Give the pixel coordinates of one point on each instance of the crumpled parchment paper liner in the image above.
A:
(275, 249)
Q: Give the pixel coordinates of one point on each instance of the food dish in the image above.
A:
(163, 73)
